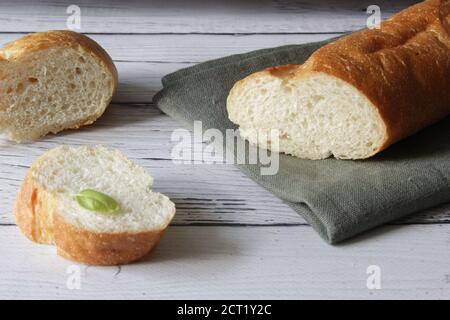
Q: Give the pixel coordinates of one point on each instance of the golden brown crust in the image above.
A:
(403, 68)
(37, 217)
(33, 211)
(24, 209)
(285, 71)
(102, 248)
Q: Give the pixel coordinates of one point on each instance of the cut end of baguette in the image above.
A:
(316, 115)
(53, 81)
(47, 212)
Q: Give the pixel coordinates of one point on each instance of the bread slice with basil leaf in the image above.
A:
(94, 204)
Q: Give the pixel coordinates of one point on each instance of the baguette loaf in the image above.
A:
(354, 97)
(47, 212)
(53, 81)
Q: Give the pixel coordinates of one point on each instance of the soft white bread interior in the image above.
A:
(316, 117)
(46, 210)
(53, 81)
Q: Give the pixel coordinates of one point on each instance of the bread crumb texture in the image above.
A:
(53, 81)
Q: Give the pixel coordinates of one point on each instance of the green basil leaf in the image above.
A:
(96, 201)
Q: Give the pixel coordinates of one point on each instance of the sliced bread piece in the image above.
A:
(315, 117)
(354, 97)
(52, 81)
(47, 211)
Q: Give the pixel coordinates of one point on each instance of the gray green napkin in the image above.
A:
(339, 198)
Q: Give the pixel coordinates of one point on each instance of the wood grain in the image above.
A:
(242, 263)
(161, 16)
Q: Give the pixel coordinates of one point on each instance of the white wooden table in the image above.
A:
(230, 238)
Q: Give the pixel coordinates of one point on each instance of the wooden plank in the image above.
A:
(204, 193)
(268, 16)
(140, 81)
(185, 48)
(242, 263)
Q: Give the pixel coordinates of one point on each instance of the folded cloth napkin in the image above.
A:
(339, 198)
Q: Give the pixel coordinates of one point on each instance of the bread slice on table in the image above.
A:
(354, 97)
(47, 211)
(52, 81)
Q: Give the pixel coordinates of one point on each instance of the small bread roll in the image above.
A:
(52, 81)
